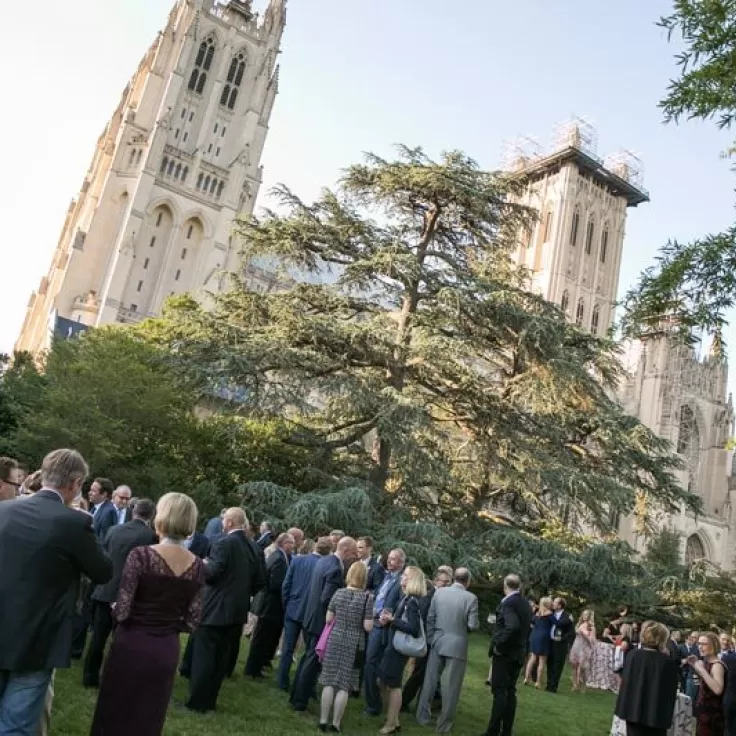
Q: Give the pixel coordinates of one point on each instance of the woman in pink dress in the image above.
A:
(582, 649)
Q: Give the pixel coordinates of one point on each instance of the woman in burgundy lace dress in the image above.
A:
(160, 597)
(709, 711)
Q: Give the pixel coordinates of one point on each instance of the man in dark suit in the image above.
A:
(265, 536)
(44, 548)
(387, 597)
(234, 573)
(121, 501)
(508, 649)
(294, 593)
(199, 545)
(270, 624)
(213, 530)
(104, 513)
(563, 632)
(327, 577)
(375, 572)
(120, 540)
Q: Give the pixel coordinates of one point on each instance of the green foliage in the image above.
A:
(419, 364)
(692, 285)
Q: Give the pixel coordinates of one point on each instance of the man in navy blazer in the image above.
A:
(294, 594)
(104, 513)
(387, 597)
(328, 576)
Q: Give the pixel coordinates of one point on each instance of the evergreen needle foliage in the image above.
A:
(410, 362)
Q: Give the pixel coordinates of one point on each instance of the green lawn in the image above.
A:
(259, 709)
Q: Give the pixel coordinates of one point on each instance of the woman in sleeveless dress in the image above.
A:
(539, 643)
(351, 608)
(160, 597)
(581, 651)
(709, 713)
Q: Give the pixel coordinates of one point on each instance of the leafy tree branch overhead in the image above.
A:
(692, 285)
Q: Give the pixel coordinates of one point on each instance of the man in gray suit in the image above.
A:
(453, 614)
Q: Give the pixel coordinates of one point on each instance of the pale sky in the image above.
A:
(358, 76)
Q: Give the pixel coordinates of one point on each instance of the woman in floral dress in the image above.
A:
(582, 649)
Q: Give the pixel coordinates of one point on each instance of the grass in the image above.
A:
(260, 709)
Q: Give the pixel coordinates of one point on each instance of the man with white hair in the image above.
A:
(121, 501)
(234, 573)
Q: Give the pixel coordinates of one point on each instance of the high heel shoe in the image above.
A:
(323, 727)
(385, 731)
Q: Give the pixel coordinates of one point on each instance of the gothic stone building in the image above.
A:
(175, 164)
(574, 255)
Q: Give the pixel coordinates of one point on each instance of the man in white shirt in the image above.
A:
(121, 500)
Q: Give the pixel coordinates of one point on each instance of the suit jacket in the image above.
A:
(234, 573)
(44, 547)
(453, 614)
(264, 540)
(119, 541)
(272, 607)
(564, 629)
(127, 516)
(375, 575)
(199, 545)
(392, 593)
(295, 590)
(326, 579)
(510, 635)
(213, 528)
(105, 516)
(729, 695)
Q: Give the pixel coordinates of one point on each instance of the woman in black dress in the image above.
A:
(709, 712)
(646, 700)
(406, 618)
(539, 643)
(160, 597)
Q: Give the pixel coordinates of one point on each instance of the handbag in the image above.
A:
(324, 637)
(408, 645)
(359, 661)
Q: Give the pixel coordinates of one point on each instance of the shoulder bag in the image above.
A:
(408, 645)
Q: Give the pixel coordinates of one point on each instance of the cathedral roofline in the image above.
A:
(620, 187)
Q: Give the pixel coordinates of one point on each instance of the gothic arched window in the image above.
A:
(548, 226)
(139, 156)
(199, 180)
(589, 236)
(202, 64)
(574, 229)
(206, 183)
(565, 301)
(595, 319)
(694, 549)
(688, 443)
(604, 245)
(132, 158)
(234, 79)
(220, 187)
(177, 173)
(213, 186)
(580, 313)
(164, 164)
(185, 173)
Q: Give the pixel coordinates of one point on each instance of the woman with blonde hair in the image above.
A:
(351, 608)
(406, 618)
(581, 651)
(540, 642)
(160, 597)
(646, 700)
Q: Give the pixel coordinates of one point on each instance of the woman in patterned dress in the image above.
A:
(581, 651)
(711, 720)
(351, 608)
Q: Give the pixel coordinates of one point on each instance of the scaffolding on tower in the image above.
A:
(519, 152)
(577, 132)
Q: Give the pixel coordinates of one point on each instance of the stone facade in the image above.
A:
(573, 254)
(177, 161)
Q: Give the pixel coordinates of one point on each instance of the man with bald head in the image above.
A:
(235, 571)
(453, 614)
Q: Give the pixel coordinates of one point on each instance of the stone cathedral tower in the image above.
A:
(574, 251)
(175, 164)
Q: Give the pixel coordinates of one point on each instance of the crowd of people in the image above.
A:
(139, 573)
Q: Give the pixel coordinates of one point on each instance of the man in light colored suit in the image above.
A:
(453, 614)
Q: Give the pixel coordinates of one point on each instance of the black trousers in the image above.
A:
(236, 636)
(102, 626)
(82, 620)
(730, 712)
(185, 668)
(555, 664)
(263, 645)
(209, 659)
(504, 677)
(634, 729)
(307, 673)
